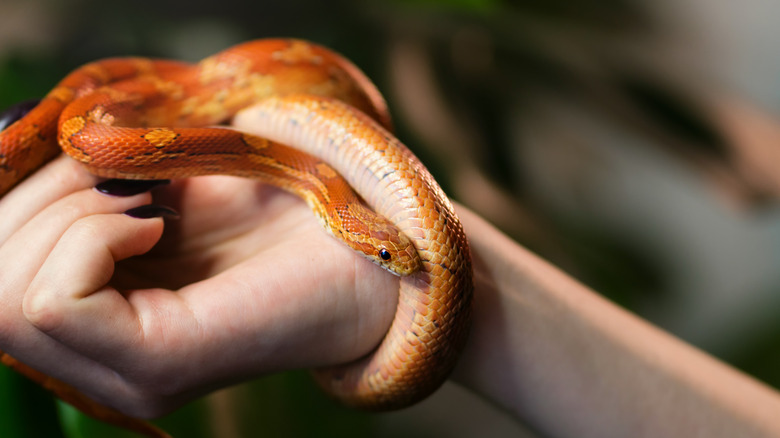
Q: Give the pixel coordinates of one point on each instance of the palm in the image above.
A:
(246, 282)
(235, 231)
(224, 222)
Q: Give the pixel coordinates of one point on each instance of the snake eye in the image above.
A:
(384, 254)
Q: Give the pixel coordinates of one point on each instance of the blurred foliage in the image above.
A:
(493, 61)
(25, 78)
(26, 410)
(761, 357)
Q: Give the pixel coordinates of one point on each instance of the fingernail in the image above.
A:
(16, 112)
(152, 211)
(129, 187)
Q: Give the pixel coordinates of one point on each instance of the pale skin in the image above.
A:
(247, 283)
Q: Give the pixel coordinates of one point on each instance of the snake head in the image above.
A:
(375, 237)
(397, 254)
(384, 244)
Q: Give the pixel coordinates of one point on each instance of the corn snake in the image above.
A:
(144, 119)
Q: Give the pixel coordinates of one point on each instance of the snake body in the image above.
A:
(148, 119)
(433, 302)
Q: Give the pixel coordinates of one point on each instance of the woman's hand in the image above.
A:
(145, 314)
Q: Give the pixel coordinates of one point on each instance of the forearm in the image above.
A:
(571, 364)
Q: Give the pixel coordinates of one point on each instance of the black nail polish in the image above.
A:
(16, 112)
(128, 187)
(152, 211)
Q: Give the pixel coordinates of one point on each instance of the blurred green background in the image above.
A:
(632, 143)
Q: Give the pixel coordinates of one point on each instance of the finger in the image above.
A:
(56, 180)
(20, 258)
(25, 250)
(23, 254)
(69, 297)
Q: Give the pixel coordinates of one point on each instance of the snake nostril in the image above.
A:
(384, 254)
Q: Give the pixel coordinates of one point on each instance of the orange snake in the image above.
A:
(138, 118)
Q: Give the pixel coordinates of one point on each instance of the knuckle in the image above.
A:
(75, 206)
(41, 309)
(86, 229)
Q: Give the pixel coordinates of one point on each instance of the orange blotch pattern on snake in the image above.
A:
(161, 137)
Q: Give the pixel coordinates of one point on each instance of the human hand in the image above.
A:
(143, 314)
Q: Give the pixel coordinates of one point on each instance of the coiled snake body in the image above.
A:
(146, 119)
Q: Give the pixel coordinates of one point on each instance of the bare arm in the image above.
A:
(571, 364)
